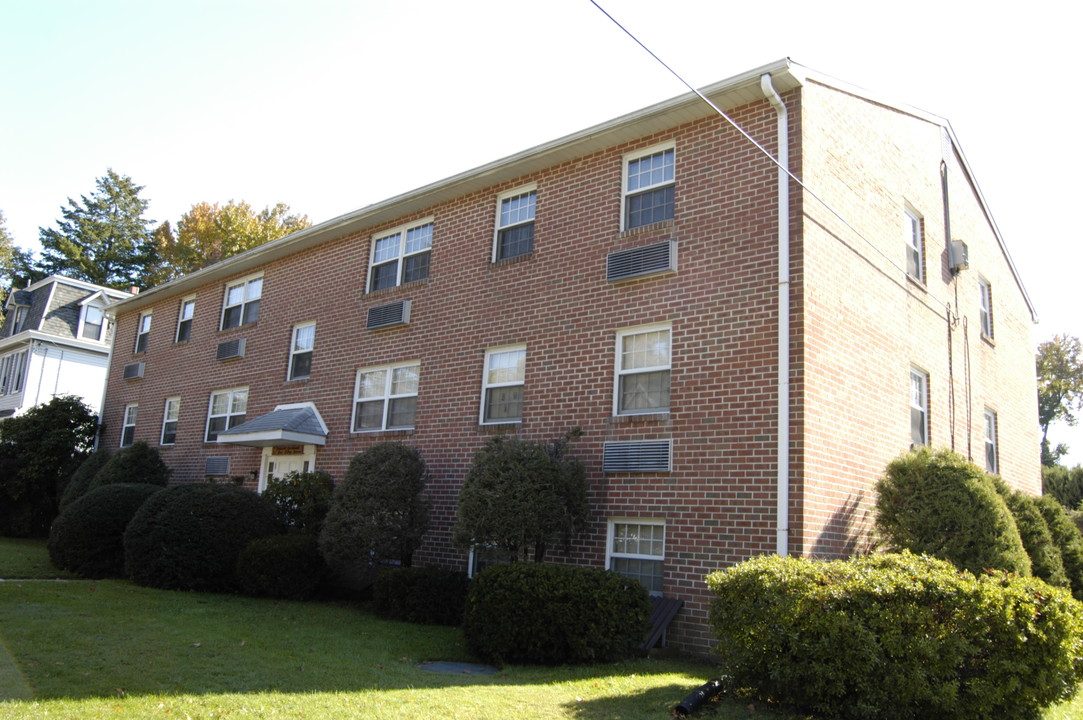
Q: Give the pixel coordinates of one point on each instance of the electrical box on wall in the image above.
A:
(960, 256)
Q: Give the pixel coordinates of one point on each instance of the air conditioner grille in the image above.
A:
(640, 261)
(637, 456)
(396, 313)
(217, 466)
(134, 371)
(231, 349)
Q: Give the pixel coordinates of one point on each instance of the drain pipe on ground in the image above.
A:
(782, 530)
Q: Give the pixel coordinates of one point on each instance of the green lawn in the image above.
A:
(111, 649)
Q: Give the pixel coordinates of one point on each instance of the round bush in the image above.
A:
(552, 614)
(1067, 538)
(87, 538)
(1045, 557)
(79, 482)
(188, 537)
(429, 595)
(301, 500)
(281, 566)
(137, 463)
(896, 636)
(941, 505)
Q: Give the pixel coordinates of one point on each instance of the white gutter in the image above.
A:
(782, 539)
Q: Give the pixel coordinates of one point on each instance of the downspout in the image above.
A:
(782, 530)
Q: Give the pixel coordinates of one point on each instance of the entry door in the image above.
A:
(278, 465)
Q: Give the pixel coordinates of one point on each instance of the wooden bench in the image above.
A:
(663, 610)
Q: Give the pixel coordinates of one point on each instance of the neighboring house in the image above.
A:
(55, 341)
(744, 359)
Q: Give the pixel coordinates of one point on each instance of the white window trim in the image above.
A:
(525, 190)
(916, 372)
(401, 231)
(82, 323)
(486, 385)
(12, 372)
(294, 351)
(991, 439)
(611, 535)
(180, 319)
(387, 397)
(245, 301)
(175, 401)
(626, 160)
(141, 333)
(985, 304)
(210, 407)
(133, 411)
(619, 372)
(914, 237)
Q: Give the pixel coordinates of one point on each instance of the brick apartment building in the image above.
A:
(743, 353)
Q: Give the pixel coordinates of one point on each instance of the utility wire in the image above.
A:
(759, 147)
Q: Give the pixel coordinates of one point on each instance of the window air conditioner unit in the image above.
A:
(638, 456)
(381, 316)
(216, 467)
(231, 349)
(134, 371)
(640, 261)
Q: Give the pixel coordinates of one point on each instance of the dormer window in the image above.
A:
(21, 312)
(93, 323)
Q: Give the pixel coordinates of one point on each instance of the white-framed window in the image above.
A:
(643, 370)
(170, 416)
(992, 460)
(636, 548)
(142, 332)
(919, 407)
(515, 223)
(227, 409)
(985, 290)
(648, 187)
(914, 239)
(19, 324)
(385, 398)
(502, 385)
(12, 370)
(400, 256)
(184, 320)
(127, 429)
(92, 323)
(241, 303)
(304, 339)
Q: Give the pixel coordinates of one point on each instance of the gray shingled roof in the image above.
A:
(281, 424)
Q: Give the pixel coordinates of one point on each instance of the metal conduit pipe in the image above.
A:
(782, 527)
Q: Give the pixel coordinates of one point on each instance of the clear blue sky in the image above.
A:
(331, 105)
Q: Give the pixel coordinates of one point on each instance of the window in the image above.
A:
(636, 549)
(648, 188)
(643, 368)
(184, 320)
(385, 398)
(502, 386)
(241, 305)
(12, 369)
(169, 421)
(991, 460)
(400, 257)
(912, 235)
(515, 224)
(226, 410)
(986, 312)
(93, 322)
(919, 407)
(127, 430)
(304, 336)
(21, 313)
(142, 333)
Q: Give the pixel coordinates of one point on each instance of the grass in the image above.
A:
(98, 649)
(111, 649)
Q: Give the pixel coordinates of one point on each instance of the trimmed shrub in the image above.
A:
(1045, 559)
(137, 463)
(188, 537)
(941, 505)
(87, 538)
(1068, 540)
(378, 513)
(552, 614)
(1066, 485)
(301, 500)
(429, 595)
(79, 482)
(897, 636)
(281, 566)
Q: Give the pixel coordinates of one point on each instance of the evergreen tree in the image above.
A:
(104, 238)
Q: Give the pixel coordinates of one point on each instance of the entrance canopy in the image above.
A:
(298, 424)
